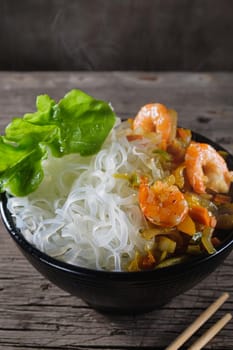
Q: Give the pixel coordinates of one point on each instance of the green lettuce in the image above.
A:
(78, 123)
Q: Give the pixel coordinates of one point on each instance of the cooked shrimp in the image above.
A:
(162, 204)
(205, 168)
(155, 117)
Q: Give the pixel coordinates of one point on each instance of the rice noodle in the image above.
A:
(84, 215)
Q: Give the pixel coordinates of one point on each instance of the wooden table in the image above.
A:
(34, 314)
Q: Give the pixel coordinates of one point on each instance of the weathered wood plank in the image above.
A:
(34, 314)
(203, 100)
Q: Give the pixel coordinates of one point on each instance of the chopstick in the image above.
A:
(210, 333)
(200, 320)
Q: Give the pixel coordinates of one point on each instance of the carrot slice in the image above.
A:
(184, 134)
(202, 215)
(133, 137)
(148, 262)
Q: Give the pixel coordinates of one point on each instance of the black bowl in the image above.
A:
(122, 291)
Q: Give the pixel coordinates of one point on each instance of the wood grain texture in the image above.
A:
(34, 314)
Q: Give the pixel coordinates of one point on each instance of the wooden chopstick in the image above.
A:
(200, 320)
(210, 333)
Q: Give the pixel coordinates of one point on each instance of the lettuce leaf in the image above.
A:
(78, 123)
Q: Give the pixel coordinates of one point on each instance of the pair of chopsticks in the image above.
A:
(200, 320)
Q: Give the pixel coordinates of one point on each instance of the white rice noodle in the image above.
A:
(86, 216)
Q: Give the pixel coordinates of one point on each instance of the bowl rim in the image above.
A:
(179, 268)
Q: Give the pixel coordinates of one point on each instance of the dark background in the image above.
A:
(116, 35)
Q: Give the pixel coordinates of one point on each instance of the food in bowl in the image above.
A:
(91, 190)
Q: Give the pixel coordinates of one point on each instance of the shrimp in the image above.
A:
(205, 168)
(155, 117)
(162, 204)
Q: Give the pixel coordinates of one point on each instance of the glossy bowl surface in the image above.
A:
(122, 291)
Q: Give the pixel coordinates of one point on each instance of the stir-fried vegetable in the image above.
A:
(184, 209)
